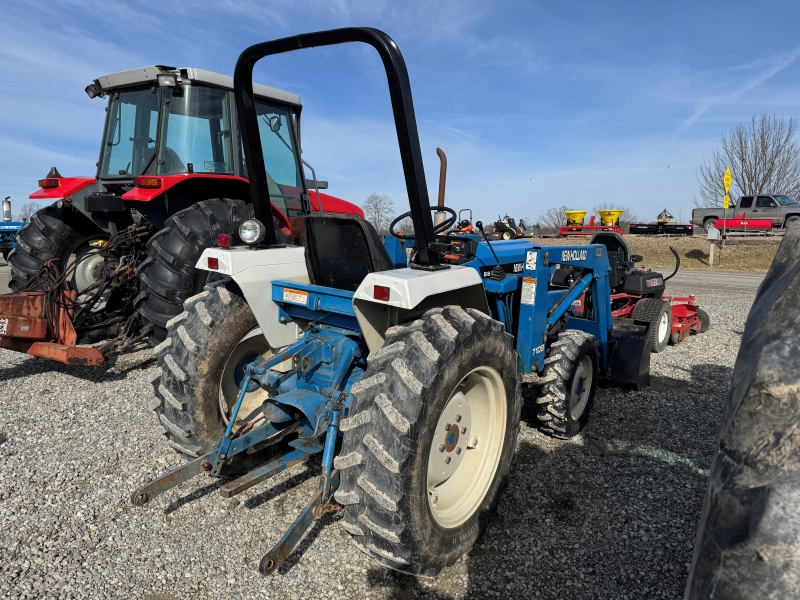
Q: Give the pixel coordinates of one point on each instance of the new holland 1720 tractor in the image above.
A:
(403, 380)
(116, 253)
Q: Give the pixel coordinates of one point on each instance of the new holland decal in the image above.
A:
(571, 255)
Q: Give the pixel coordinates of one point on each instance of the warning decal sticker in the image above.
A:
(528, 291)
(295, 296)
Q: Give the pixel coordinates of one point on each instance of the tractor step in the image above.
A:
(262, 473)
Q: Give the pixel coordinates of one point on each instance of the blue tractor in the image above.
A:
(399, 361)
(8, 230)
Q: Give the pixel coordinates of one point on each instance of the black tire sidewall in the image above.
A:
(222, 342)
(665, 309)
(705, 320)
(574, 426)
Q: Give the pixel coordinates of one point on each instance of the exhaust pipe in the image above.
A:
(439, 216)
(7, 209)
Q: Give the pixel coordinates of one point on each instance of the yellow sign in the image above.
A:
(727, 180)
(726, 201)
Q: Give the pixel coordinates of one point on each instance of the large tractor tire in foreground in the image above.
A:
(168, 275)
(568, 384)
(748, 543)
(429, 440)
(201, 365)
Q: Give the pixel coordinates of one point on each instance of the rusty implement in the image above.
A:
(24, 328)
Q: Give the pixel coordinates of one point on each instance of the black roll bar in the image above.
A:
(402, 107)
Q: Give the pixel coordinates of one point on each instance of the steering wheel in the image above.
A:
(443, 226)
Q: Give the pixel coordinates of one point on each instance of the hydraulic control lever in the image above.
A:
(498, 273)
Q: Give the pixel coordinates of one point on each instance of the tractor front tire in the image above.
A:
(200, 363)
(168, 275)
(429, 439)
(658, 313)
(568, 384)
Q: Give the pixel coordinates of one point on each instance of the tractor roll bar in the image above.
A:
(402, 107)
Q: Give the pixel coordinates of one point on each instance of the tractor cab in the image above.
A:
(171, 138)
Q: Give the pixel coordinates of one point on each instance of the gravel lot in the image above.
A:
(610, 514)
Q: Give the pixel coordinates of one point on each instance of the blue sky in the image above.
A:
(536, 104)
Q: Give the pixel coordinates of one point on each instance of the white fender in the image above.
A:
(411, 293)
(254, 271)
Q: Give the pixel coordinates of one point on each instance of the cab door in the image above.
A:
(766, 207)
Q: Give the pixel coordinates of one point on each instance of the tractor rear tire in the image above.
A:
(659, 314)
(168, 275)
(705, 320)
(392, 438)
(46, 237)
(748, 537)
(565, 398)
(195, 383)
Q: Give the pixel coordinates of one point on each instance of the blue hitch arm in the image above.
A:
(319, 504)
(559, 309)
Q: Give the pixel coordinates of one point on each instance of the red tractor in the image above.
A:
(115, 254)
(638, 293)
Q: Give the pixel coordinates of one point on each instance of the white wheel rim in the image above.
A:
(581, 387)
(663, 328)
(252, 342)
(476, 415)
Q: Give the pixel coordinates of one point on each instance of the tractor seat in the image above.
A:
(342, 250)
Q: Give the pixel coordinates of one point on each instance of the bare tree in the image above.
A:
(26, 211)
(551, 219)
(406, 226)
(626, 218)
(764, 157)
(379, 210)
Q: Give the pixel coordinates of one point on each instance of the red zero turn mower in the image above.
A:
(638, 294)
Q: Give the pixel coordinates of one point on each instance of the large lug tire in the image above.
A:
(659, 314)
(399, 507)
(709, 224)
(46, 237)
(568, 384)
(748, 537)
(168, 275)
(201, 363)
(705, 320)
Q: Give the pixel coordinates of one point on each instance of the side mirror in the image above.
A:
(323, 185)
(636, 258)
(275, 123)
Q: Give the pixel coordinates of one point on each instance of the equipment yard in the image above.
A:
(610, 513)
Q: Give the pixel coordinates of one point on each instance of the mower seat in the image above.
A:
(619, 254)
(342, 250)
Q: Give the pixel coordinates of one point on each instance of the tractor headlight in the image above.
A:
(252, 231)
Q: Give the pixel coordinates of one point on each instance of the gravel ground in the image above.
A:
(609, 514)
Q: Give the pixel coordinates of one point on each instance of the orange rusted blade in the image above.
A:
(70, 355)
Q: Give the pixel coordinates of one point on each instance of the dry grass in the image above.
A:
(740, 254)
